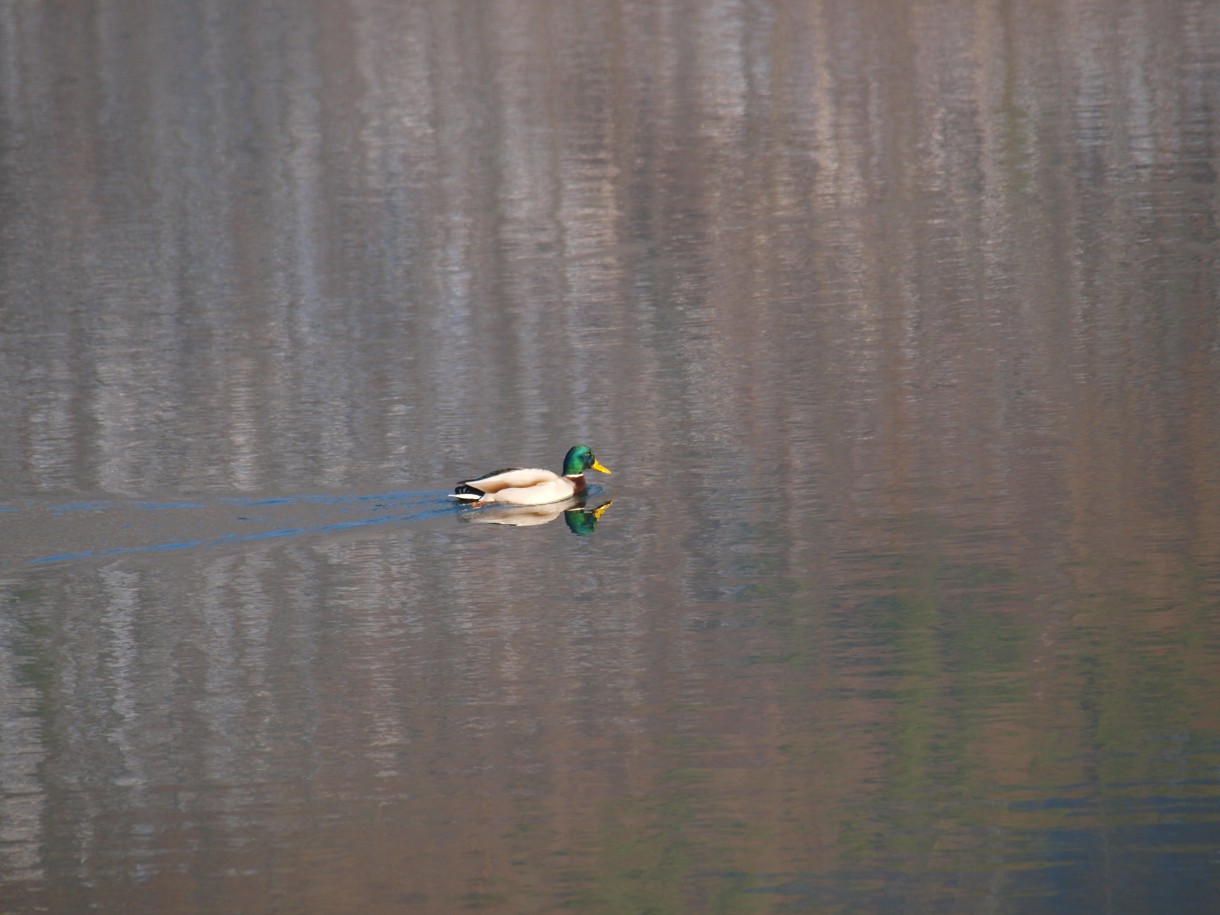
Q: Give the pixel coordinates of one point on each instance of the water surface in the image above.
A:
(898, 323)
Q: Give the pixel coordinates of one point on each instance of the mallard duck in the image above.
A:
(530, 486)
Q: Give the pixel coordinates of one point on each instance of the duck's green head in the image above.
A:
(579, 459)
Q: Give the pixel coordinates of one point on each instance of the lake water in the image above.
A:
(897, 322)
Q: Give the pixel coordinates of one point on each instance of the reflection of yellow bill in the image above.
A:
(598, 465)
(580, 520)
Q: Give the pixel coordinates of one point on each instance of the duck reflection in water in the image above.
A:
(579, 517)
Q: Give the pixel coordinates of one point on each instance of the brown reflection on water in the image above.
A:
(897, 321)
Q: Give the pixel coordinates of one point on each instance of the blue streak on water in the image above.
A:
(404, 495)
(321, 499)
(234, 538)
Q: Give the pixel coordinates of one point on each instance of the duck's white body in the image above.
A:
(521, 486)
(532, 485)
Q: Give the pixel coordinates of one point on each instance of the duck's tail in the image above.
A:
(467, 493)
